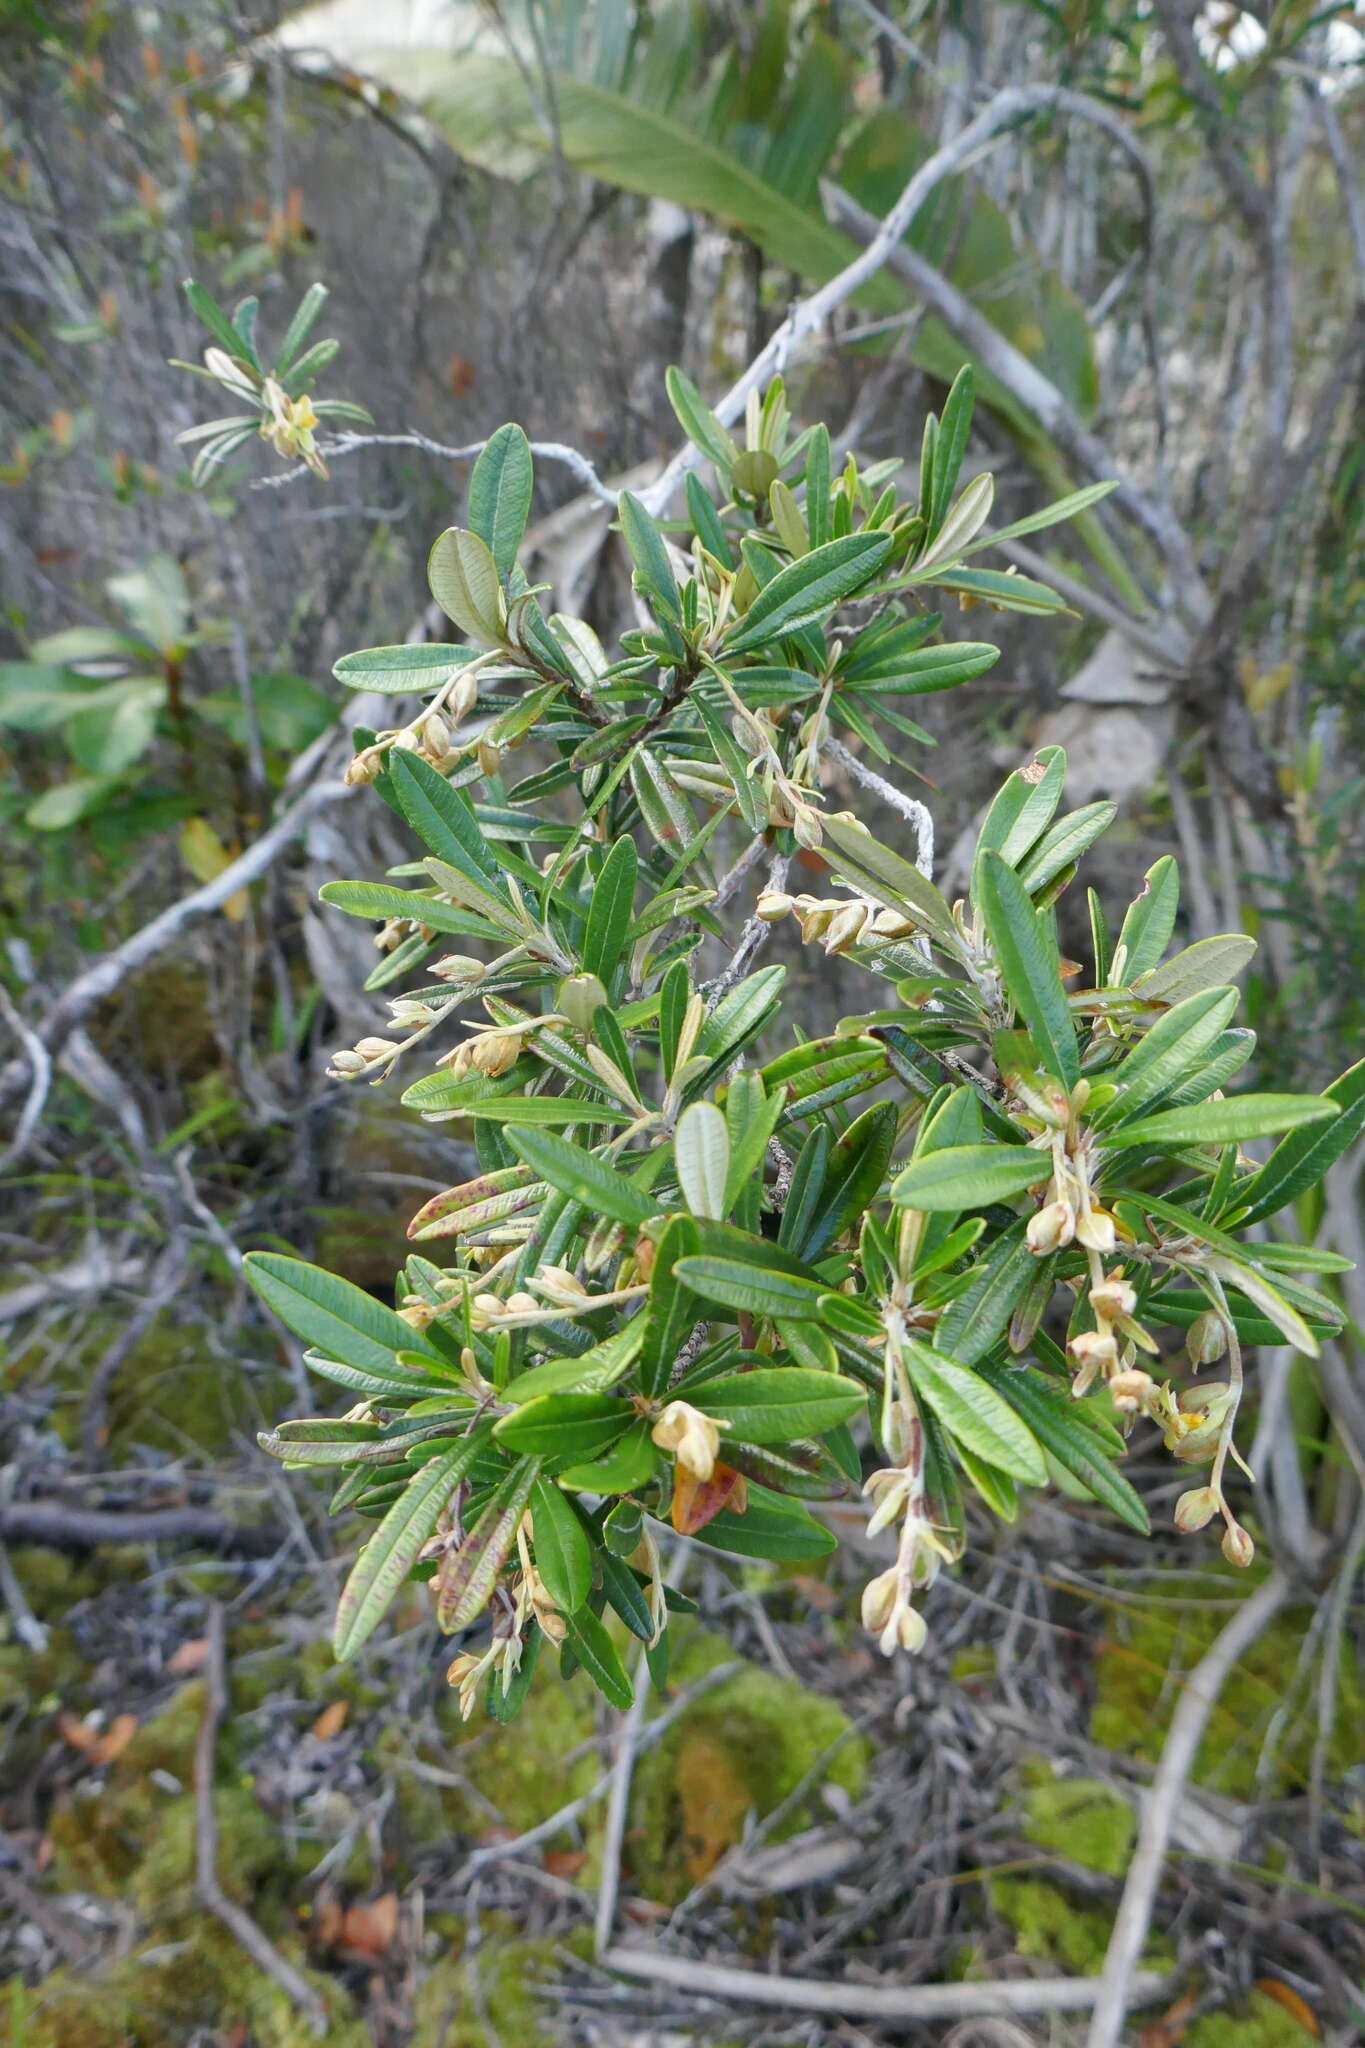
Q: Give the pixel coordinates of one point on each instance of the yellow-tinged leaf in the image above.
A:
(205, 855)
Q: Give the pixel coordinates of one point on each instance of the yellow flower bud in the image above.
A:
(1195, 1510)
(694, 1438)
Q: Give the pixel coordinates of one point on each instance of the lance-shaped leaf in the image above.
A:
(852, 850)
(336, 1318)
(1028, 962)
(1300, 1160)
(564, 1426)
(969, 1176)
(701, 1154)
(975, 1320)
(383, 1565)
(1267, 1298)
(774, 1405)
(1176, 1046)
(1057, 1425)
(610, 910)
(1150, 920)
(1237, 1117)
(589, 1180)
(671, 1310)
(379, 900)
(1209, 963)
(974, 1413)
(772, 1527)
(649, 554)
(596, 1652)
(396, 671)
(854, 1174)
(807, 589)
(563, 1552)
(464, 581)
(751, 1289)
(500, 495)
(442, 819)
(467, 1579)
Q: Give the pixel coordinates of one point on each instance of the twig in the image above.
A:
(751, 937)
(910, 808)
(1188, 1722)
(352, 444)
(63, 1528)
(99, 982)
(40, 1067)
(238, 1922)
(1338, 1612)
(618, 1808)
(870, 2001)
(25, 1623)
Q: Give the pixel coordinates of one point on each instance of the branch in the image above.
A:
(62, 1528)
(351, 444)
(99, 982)
(1035, 392)
(892, 2003)
(910, 808)
(1197, 1701)
(237, 1921)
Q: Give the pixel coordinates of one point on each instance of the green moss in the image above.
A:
(1080, 1818)
(1259, 2022)
(193, 1977)
(521, 1769)
(1051, 1925)
(453, 2000)
(1140, 1667)
(744, 1746)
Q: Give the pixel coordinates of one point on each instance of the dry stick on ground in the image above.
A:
(238, 1922)
(1188, 1722)
(892, 2004)
(63, 1528)
(90, 989)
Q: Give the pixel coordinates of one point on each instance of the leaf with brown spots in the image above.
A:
(698, 1501)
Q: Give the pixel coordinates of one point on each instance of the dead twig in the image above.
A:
(892, 2004)
(1197, 1701)
(63, 1528)
(238, 1922)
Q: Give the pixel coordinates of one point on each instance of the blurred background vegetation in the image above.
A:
(526, 209)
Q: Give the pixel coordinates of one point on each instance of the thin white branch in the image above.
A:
(99, 982)
(338, 445)
(910, 808)
(892, 2003)
(1188, 1722)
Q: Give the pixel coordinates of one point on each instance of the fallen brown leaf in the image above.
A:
(564, 1862)
(371, 1927)
(115, 1739)
(189, 1657)
(1285, 1995)
(330, 1721)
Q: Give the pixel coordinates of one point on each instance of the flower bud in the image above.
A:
(418, 1315)
(889, 924)
(694, 1438)
(495, 1052)
(408, 741)
(844, 927)
(646, 1251)
(772, 905)
(435, 736)
(1206, 1339)
(522, 1304)
(459, 1668)
(1095, 1230)
(879, 1599)
(345, 1065)
(489, 758)
(363, 770)
(1129, 1391)
(458, 967)
(906, 1630)
(1113, 1298)
(1095, 1348)
(1237, 1546)
(464, 696)
(578, 998)
(1196, 1509)
(376, 1048)
(1052, 1227)
(806, 827)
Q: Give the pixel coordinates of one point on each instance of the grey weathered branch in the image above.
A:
(1188, 1722)
(351, 444)
(108, 974)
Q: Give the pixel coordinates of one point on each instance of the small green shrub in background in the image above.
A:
(690, 1265)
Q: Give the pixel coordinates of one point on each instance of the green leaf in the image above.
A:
(625, 1596)
(804, 591)
(772, 1527)
(1149, 921)
(1051, 1419)
(671, 1307)
(697, 420)
(975, 1320)
(564, 1425)
(332, 1315)
(969, 1176)
(442, 819)
(1211, 963)
(1300, 1160)
(300, 327)
(629, 1463)
(1175, 1046)
(1028, 962)
(1049, 515)
(974, 1413)
(851, 849)
(380, 901)
(1065, 843)
(754, 1290)
(649, 553)
(949, 445)
(422, 666)
(382, 1568)
(1238, 1117)
(544, 1111)
(771, 1406)
(210, 314)
(596, 1652)
(464, 581)
(701, 1151)
(578, 1173)
(1010, 593)
(500, 495)
(853, 1177)
(609, 913)
(562, 1551)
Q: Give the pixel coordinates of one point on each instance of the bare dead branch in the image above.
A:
(63, 1528)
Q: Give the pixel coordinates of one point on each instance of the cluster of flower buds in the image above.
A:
(492, 1051)
(1109, 1351)
(835, 922)
(887, 1610)
(368, 1056)
(693, 1438)
(430, 734)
